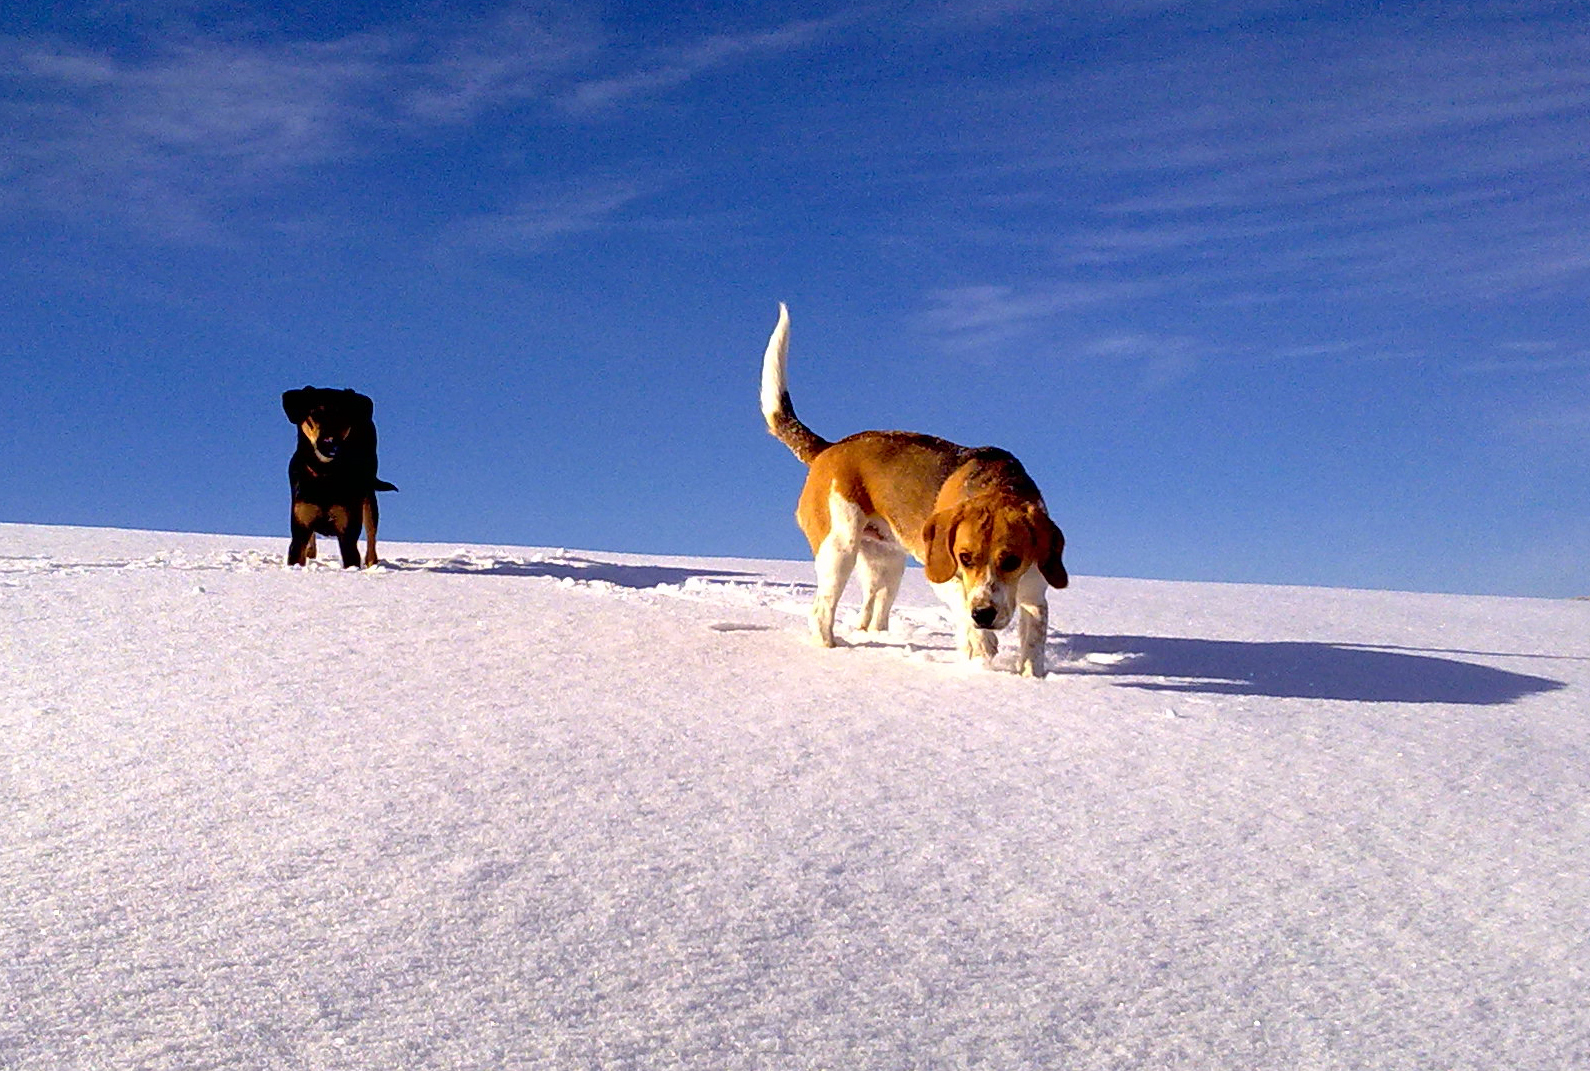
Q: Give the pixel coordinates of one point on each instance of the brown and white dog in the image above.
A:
(972, 516)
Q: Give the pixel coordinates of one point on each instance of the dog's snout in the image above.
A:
(984, 616)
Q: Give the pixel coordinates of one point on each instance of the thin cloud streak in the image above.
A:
(991, 322)
(543, 216)
(680, 66)
(519, 55)
(959, 15)
(1531, 358)
(984, 319)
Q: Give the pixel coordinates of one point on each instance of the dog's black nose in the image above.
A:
(983, 616)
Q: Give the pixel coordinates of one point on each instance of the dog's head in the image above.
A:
(328, 419)
(988, 543)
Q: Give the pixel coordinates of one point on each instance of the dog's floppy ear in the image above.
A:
(1051, 543)
(359, 406)
(296, 403)
(938, 535)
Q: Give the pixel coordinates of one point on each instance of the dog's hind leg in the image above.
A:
(834, 562)
(882, 568)
(372, 513)
(836, 557)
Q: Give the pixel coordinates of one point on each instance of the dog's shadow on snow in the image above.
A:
(563, 568)
(1295, 670)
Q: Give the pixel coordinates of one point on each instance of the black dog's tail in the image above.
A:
(777, 409)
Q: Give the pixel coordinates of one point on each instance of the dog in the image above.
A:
(971, 516)
(333, 473)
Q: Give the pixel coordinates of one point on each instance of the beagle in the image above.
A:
(972, 516)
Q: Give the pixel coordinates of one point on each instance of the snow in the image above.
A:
(496, 807)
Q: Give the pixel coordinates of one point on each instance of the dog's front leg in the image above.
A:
(297, 547)
(301, 547)
(348, 543)
(975, 644)
(979, 644)
(346, 524)
(1032, 630)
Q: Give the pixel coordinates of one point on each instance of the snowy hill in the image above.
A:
(494, 807)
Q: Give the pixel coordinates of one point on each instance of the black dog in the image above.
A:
(332, 472)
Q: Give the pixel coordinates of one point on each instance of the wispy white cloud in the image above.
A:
(1566, 420)
(1549, 425)
(1162, 360)
(993, 322)
(1381, 158)
(1369, 166)
(544, 215)
(984, 13)
(517, 54)
(167, 140)
(177, 135)
(1536, 394)
(987, 319)
(1532, 358)
(183, 133)
(677, 66)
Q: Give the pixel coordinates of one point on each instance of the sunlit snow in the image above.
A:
(496, 807)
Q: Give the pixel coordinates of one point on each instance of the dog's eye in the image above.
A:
(966, 559)
(1009, 563)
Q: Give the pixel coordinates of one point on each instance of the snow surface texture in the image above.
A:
(507, 808)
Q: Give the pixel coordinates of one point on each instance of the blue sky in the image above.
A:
(1275, 292)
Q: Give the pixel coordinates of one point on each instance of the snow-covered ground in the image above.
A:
(495, 807)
